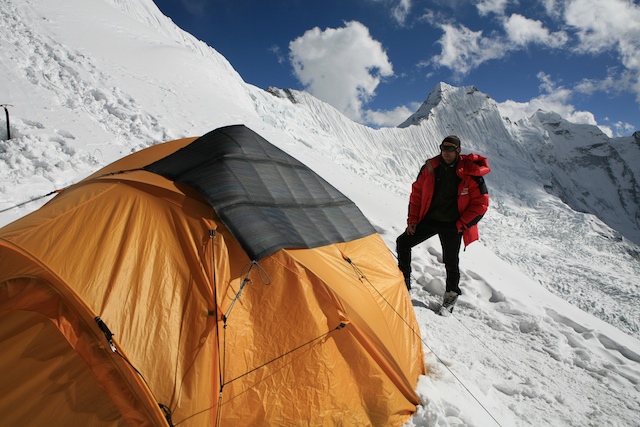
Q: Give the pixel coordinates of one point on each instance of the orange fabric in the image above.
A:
(195, 317)
(60, 370)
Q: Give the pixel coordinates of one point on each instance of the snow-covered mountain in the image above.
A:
(564, 195)
(90, 81)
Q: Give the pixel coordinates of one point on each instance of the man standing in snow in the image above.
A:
(448, 198)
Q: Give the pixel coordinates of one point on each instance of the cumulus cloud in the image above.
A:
(341, 66)
(622, 128)
(597, 26)
(486, 7)
(602, 25)
(390, 118)
(553, 8)
(522, 31)
(464, 50)
(612, 25)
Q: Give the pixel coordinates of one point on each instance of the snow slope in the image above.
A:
(547, 328)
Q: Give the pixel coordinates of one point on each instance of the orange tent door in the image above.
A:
(56, 369)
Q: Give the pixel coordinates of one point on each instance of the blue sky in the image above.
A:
(377, 60)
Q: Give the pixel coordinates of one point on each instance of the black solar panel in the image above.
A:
(267, 199)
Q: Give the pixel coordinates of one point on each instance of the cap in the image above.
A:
(451, 141)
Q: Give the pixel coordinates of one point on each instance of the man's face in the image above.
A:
(449, 153)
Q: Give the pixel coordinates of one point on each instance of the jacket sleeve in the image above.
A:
(415, 199)
(478, 203)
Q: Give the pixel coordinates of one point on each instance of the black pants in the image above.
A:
(450, 239)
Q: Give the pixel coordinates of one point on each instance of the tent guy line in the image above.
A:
(144, 265)
(35, 199)
(506, 365)
(362, 276)
(51, 193)
(439, 359)
(337, 328)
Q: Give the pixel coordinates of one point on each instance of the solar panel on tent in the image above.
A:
(267, 199)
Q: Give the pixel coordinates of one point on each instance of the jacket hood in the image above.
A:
(474, 164)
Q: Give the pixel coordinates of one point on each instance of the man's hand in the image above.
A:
(411, 229)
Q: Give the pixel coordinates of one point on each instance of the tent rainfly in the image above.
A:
(212, 281)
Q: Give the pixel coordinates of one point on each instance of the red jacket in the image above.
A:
(473, 198)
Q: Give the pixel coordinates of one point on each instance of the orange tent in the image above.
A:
(204, 282)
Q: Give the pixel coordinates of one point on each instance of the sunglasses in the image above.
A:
(448, 148)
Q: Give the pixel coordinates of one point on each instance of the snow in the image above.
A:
(546, 331)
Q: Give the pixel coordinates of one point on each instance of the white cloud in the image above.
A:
(602, 25)
(553, 7)
(401, 11)
(614, 83)
(390, 118)
(485, 7)
(464, 50)
(609, 25)
(582, 117)
(522, 31)
(623, 128)
(341, 66)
